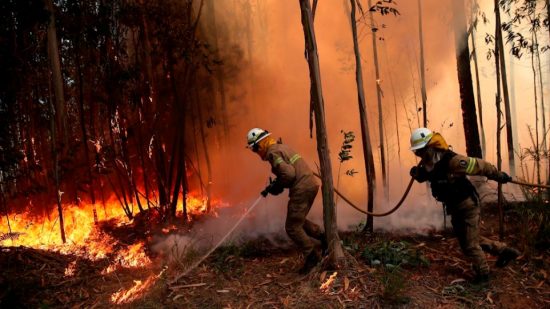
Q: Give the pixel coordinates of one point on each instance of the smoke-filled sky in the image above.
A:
(271, 91)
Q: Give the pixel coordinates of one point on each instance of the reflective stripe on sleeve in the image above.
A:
(277, 161)
(294, 158)
(471, 165)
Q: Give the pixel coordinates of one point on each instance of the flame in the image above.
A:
(133, 293)
(326, 285)
(84, 238)
(133, 257)
(69, 271)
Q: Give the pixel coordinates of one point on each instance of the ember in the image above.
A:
(327, 284)
(133, 293)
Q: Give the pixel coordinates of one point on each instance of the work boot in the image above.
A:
(508, 254)
(324, 244)
(311, 260)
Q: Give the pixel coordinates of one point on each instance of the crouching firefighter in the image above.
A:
(446, 171)
(291, 172)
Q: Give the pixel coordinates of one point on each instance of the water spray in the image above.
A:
(219, 242)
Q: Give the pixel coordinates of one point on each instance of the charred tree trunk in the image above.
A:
(147, 58)
(507, 110)
(218, 71)
(206, 153)
(194, 116)
(58, 114)
(141, 152)
(57, 77)
(471, 132)
(85, 146)
(180, 141)
(365, 136)
(4, 202)
(336, 252)
(422, 69)
(55, 161)
(478, 89)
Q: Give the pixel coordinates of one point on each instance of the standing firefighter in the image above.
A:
(292, 172)
(446, 171)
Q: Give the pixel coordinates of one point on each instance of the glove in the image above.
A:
(414, 171)
(502, 177)
(419, 174)
(274, 188)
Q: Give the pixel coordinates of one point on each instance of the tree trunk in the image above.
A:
(219, 71)
(57, 77)
(471, 133)
(206, 154)
(536, 141)
(379, 99)
(542, 108)
(499, 125)
(394, 106)
(422, 67)
(55, 161)
(336, 252)
(85, 146)
(149, 71)
(479, 101)
(4, 201)
(365, 136)
(507, 110)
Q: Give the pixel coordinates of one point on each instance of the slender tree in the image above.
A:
(57, 78)
(500, 198)
(58, 112)
(478, 83)
(374, 29)
(365, 133)
(471, 132)
(506, 96)
(205, 152)
(218, 72)
(336, 252)
(422, 69)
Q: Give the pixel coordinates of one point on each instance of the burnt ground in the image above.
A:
(401, 271)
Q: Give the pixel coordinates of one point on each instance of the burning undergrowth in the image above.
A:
(113, 249)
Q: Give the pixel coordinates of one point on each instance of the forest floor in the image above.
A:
(392, 270)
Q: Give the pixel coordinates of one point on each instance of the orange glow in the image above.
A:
(84, 238)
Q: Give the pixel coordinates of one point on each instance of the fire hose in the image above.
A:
(400, 203)
(387, 213)
(517, 182)
(218, 244)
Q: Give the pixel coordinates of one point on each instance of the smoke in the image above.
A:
(262, 220)
(271, 91)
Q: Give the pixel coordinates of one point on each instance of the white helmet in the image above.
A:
(420, 138)
(255, 135)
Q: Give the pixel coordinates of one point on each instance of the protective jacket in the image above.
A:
(448, 177)
(291, 170)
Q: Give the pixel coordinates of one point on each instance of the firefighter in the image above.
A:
(446, 172)
(291, 172)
